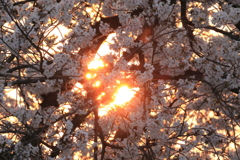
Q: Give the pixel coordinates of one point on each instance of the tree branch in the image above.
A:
(18, 67)
(228, 34)
(23, 2)
(187, 75)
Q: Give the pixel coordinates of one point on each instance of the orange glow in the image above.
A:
(95, 64)
(97, 84)
(89, 75)
(123, 95)
(104, 110)
(101, 95)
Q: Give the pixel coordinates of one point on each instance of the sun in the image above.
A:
(95, 64)
(124, 92)
(123, 95)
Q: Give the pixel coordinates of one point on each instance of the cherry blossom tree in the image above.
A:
(179, 59)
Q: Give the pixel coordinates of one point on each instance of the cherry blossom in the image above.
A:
(177, 62)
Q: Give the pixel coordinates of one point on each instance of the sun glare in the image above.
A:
(104, 110)
(123, 95)
(95, 64)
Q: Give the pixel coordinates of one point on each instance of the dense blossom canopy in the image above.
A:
(119, 79)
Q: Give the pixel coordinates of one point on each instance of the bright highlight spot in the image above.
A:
(79, 88)
(97, 84)
(105, 110)
(123, 95)
(54, 41)
(89, 75)
(101, 95)
(104, 49)
(95, 64)
(78, 85)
